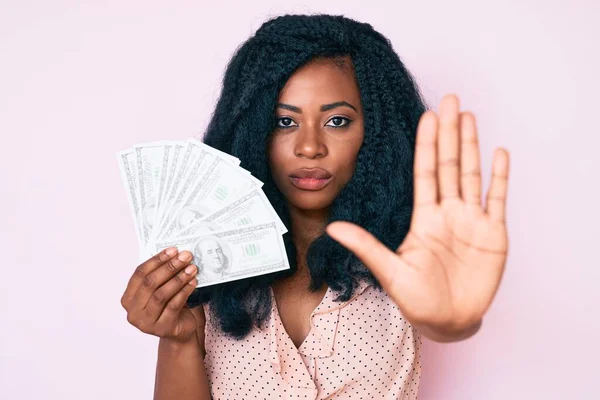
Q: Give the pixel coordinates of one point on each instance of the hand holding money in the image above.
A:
(156, 295)
(188, 195)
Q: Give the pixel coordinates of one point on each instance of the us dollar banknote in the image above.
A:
(228, 255)
(177, 190)
(249, 209)
(219, 185)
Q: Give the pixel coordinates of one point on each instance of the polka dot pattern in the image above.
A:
(359, 349)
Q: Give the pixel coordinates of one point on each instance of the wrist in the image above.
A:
(176, 346)
(445, 335)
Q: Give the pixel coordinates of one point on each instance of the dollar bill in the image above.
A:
(178, 167)
(128, 170)
(200, 163)
(221, 184)
(250, 209)
(175, 160)
(150, 159)
(227, 157)
(229, 255)
(162, 183)
(185, 189)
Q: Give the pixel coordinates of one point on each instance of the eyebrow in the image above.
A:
(324, 107)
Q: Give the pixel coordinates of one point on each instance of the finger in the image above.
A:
(144, 269)
(470, 173)
(374, 254)
(161, 296)
(448, 149)
(496, 196)
(159, 276)
(170, 315)
(425, 178)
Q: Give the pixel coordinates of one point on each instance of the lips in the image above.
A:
(310, 178)
(316, 173)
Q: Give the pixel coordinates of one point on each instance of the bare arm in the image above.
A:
(155, 300)
(180, 372)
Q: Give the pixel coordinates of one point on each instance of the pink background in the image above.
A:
(81, 80)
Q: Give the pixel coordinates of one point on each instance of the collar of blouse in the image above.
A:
(323, 327)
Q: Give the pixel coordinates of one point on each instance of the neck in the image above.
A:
(306, 225)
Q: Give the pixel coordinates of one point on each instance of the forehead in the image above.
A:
(321, 81)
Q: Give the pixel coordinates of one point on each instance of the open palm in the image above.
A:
(447, 270)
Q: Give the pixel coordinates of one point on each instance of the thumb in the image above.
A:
(374, 254)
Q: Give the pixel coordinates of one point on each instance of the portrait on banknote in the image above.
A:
(212, 256)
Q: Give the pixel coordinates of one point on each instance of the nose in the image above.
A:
(309, 143)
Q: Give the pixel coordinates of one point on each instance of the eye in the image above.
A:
(285, 122)
(339, 122)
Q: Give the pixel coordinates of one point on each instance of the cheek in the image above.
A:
(351, 154)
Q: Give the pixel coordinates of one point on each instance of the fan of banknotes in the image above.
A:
(194, 197)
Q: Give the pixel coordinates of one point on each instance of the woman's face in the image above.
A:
(319, 130)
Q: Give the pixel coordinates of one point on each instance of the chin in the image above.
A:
(311, 200)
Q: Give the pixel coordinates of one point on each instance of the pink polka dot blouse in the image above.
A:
(359, 349)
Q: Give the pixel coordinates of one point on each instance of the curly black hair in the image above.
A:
(379, 196)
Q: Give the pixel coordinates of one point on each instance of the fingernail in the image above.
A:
(193, 282)
(184, 256)
(190, 269)
(170, 251)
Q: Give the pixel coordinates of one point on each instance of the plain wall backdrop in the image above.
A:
(81, 80)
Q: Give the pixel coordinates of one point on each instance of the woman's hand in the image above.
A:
(156, 295)
(446, 272)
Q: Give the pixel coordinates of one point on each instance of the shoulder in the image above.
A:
(374, 298)
(375, 302)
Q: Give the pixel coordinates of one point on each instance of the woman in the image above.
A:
(323, 111)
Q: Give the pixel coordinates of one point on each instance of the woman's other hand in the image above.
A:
(446, 272)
